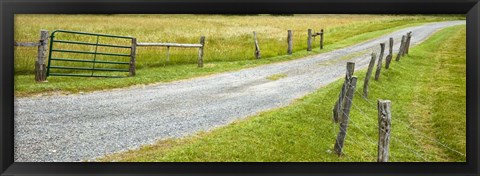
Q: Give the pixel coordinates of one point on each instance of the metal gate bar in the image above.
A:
(87, 52)
(79, 75)
(94, 44)
(97, 61)
(88, 68)
(95, 53)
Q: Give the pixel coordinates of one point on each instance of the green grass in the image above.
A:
(228, 43)
(427, 89)
(275, 77)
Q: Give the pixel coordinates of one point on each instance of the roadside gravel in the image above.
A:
(84, 127)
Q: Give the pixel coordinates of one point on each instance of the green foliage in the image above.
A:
(276, 77)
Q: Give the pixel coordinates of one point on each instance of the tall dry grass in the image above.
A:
(228, 37)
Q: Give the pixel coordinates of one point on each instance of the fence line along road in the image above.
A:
(57, 128)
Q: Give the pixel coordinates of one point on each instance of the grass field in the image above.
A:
(428, 92)
(229, 43)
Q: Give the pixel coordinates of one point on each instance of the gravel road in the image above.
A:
(86, 126)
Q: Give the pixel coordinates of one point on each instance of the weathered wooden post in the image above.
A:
(380, 58)
(400, 50)
(168, 55)
(309, 40)
(384, 126)
(200, 51)
(404, 49)
(257, 48)
(337, 109)
(40, 68)
(290, 42)
(390, 54)
(347, 103)
(369, 74)
(321, 39)
(133, 52)
(409, 36)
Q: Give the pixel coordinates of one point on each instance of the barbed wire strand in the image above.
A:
(416, 131)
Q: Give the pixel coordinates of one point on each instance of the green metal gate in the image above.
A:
(63, 59)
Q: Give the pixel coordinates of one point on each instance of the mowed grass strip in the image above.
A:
(275, 77)
(427, 90)
(229, 43)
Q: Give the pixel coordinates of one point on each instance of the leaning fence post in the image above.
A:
(133, 52)
(200, 51)
(257, 48)
(404, 45)
(409, 36)
(380, 58)
(40, 68)
(347, 103)
(309, 40)
(321, 39)
(384, 128)
(289, 40)
(390, 54)
(400, 50)
(337, 109)
(369, 74)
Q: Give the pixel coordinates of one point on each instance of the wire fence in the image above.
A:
(400, 142)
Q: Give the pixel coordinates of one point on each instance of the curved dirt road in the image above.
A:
(83, 127)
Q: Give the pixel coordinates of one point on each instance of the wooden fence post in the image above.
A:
(168, 56)
(200, 51)
(380, 58)
(384, 128)
(400, 50)
(409, 36)
(321, 39)
(347, 103)
(337, 109)
(133, 52)
(257, 48)
(40, 68)
(369, 74)
(309, 40)
(289, 40)
(390, 54)
(404, 45)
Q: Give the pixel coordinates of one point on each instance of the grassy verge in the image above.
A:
(152, 69)
(427, 90)
(276, 77)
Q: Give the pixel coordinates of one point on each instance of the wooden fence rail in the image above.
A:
(309, 39)
(26, 44)
(200, 47)
(40, 67)
(171, 45)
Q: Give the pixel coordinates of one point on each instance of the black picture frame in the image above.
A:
(9, 7)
